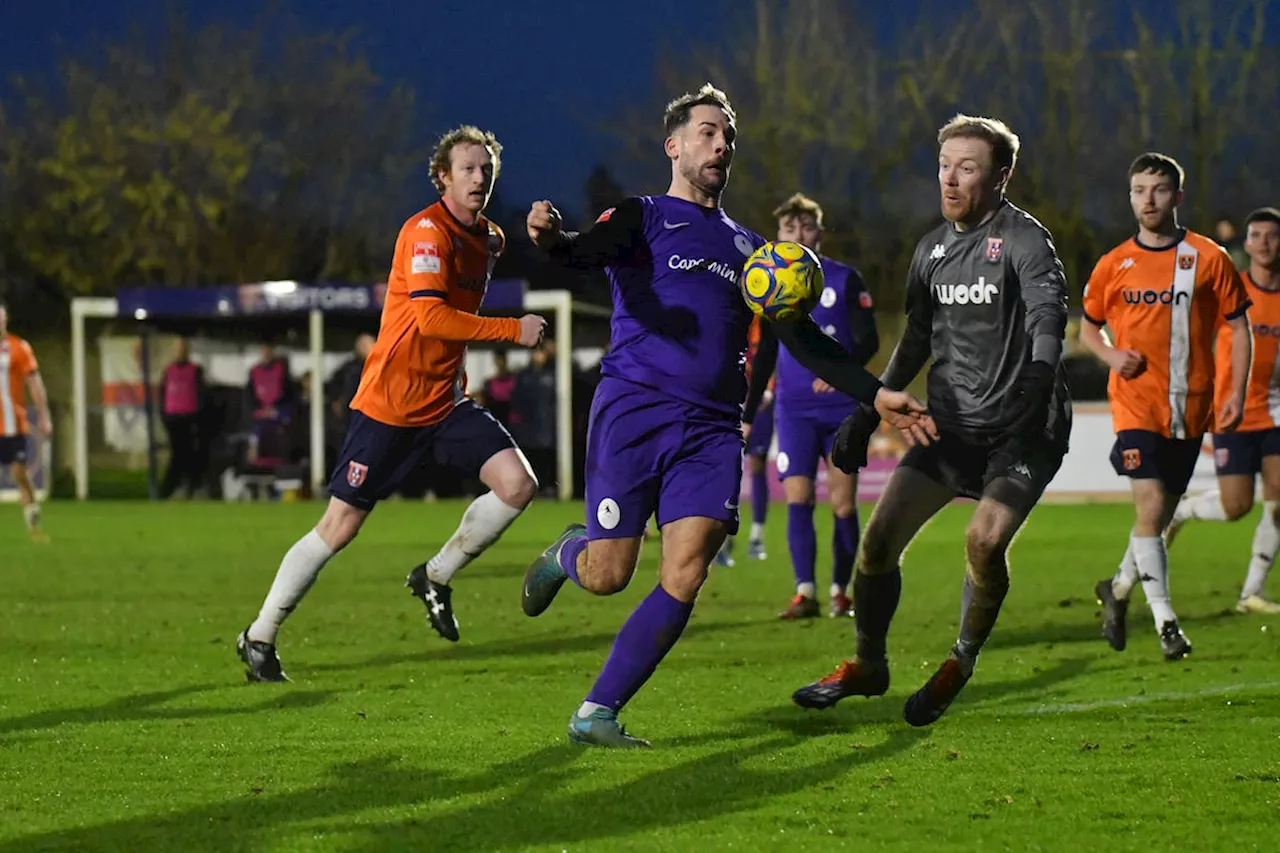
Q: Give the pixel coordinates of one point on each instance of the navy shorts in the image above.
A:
(1140, 454)
(1237, 453)
(13, 450)
(376, 458)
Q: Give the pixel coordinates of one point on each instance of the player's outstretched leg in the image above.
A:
(299, 569)
(558, 563)
(1266, 541)
(512, 487)
(689, 544)
(909, 500)
(986, 583)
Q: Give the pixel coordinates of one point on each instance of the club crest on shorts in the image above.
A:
(995, 249)
(356, 474)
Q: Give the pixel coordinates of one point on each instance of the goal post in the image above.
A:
(292, 300)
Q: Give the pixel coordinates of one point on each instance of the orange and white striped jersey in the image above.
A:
(414, 375)
(17, 363)
(1166, 304)
(1262, 394)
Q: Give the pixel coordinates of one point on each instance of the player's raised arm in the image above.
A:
(913, 349)
(428, 283)
(832, 363)
(613, 237)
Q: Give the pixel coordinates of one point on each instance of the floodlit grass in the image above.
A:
(126, 722)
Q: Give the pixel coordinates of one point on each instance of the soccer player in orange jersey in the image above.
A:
(1254, 448)
(411, 404)
(19, 373)
(1162, 294)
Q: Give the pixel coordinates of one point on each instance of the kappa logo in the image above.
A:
(357, 473)
(1128, 263)
(939, 251)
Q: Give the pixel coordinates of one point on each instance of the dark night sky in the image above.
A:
(538, 74)
(543, 75)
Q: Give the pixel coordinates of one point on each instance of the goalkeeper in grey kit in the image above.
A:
(987, 299)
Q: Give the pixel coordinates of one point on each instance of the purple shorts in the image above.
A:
(804, 437)
(649, 453)
(761, 432)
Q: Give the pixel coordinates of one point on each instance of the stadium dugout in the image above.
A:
(253, 311)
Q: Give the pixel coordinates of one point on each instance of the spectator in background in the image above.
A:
(533, 416)
(1226, 235)
(339, 391)
(183, 401)
(498, 389)
(272, 403)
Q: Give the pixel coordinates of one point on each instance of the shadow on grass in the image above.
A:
(141, 707)
(536, 799)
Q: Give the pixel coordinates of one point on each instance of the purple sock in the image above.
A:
(802, 539)
(759, 496)
(844, 547)
(569, 552)
(645, 638)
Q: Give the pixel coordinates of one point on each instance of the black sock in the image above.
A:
(875, 599)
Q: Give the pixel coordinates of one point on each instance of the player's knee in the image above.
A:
(340, 524)
(683, 580)
(605, 577)
(1236, 507)
(984, 550)
(516, 490)
(876, 557)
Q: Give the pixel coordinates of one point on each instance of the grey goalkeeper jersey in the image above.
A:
(983, 304)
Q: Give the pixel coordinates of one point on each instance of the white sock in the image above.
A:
(836, 589)
(1206, 506)
(31, 513)
(808, 590)
(588, 707)
(1127, 575)
(482, 524)
(1153, 570)
(298, 571)
(757, 531)
(1266, 539)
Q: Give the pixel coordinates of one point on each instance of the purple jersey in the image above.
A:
(844, 314)
(679, 320)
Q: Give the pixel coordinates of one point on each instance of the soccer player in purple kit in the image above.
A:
(807, 414)
(666, 429)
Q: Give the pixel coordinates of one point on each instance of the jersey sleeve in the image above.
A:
(1043, 284)
(764, 362)
(825, 358)
(1232, 295)
(28, 365)
(615, 236)
(426, 265)
(1095, 292)
(913, 349)
(862, 319)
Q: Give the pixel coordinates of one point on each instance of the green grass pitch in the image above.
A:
(126, 723)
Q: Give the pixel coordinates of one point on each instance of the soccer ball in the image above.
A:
(782, 281)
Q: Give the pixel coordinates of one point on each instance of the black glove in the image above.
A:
(1026, 410)
(849, 450)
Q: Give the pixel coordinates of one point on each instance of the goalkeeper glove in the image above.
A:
(849, 450)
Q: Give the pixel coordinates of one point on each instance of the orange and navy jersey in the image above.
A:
(17, 363)
(415, 374)
(1166, 304)
(753, 347)
(1262, 394)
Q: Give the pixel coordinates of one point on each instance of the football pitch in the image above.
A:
(126, 722)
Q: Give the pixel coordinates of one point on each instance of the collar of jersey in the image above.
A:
(481, 226)
(1182, 235)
